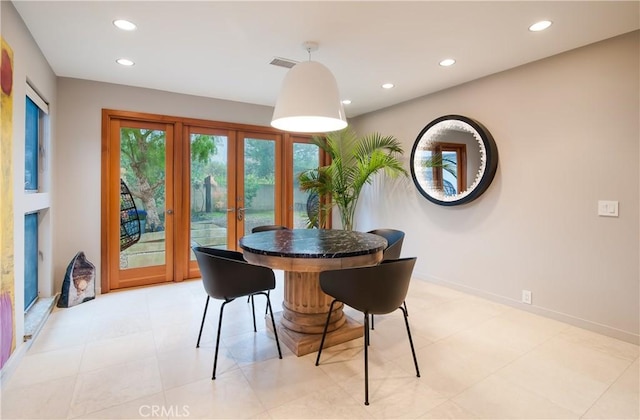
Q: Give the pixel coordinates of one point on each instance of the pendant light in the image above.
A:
(309, 101)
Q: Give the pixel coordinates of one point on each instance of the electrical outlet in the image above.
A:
(526, 296)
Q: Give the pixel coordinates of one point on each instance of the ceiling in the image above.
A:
(223, 49)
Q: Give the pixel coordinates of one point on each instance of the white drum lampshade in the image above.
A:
(309, 101)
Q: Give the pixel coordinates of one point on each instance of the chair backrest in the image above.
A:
(379, 289)
(232, 255)
(226, 275)
(394, 242)
(267, 227)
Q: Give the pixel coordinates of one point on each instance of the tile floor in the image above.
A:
(132, 355)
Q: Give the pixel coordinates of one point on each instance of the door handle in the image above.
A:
(169, 211)
(241, 213)
(231, 210)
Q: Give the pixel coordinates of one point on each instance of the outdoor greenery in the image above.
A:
(203, 165)
(354, 161)
(143, 169)
(142, 154)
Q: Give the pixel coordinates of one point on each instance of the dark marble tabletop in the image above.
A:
(313, 243)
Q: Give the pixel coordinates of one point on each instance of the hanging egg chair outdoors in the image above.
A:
(313, 208)
(129, 219)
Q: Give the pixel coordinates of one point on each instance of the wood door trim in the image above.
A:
(181, 171)
(277, 138)
(190, 268)
(105, 202)
(110, 261)
(193, 122)
(461, 162)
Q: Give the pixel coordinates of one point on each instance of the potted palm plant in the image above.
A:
(354, 161)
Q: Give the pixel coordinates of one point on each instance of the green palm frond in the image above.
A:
(437, 161)
(374, 142)
(354, 160)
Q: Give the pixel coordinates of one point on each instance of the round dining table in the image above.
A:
(302, 254)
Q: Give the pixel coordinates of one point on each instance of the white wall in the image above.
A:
(78, 176)
(567, 131)
(29, 65)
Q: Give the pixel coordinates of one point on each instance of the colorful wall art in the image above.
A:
(7, 284)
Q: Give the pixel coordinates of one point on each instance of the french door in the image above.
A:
(142, 154)
(236, 182)
(194, 183)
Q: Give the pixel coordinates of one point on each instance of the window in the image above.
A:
(35, 181)
(36, 109)
(30, 259)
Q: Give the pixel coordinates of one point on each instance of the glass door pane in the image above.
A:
(259, 184)
(209, 205)
(140, 153)
(143, 169)
(305, 156)
(450, 175)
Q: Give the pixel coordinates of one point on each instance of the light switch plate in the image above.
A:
(607, 208)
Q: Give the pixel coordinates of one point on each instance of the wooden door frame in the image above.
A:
(279, 174)
(461, 164)
(181, 172)
(109, 253)
(288, 196)
(191, 270)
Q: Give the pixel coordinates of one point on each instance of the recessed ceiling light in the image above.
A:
(346, 101)
(125, 25)
(125, 62)
(387, 85)
(540, 26)
(447, 62)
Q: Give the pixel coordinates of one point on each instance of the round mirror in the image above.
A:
(453, 160)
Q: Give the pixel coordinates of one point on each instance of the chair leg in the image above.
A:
(266, 309)
(413, 351)
(215, 356)
(204, 315)
(253, 312)
(324, 332)
(367, 337)
(273, 324)
(366, 358)
(404, 303)
(372, 326)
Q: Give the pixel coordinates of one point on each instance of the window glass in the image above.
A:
(32, 134)
(30, 259)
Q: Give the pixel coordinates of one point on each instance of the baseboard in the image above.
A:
(538, 310)
(12, 362)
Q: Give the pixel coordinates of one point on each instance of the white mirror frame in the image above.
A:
(488, 159)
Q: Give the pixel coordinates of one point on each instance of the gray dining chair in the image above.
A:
(227, 276)
(264, 228)
(394, 239)
(378, 289)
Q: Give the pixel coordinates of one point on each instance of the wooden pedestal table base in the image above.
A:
(305, 309)
(302, 254)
